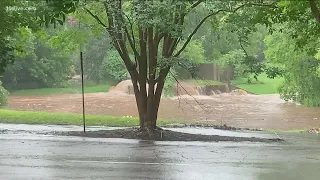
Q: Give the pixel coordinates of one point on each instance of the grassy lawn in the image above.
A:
(287, 131)
(69, 90)
(31, 117)
(263, 86)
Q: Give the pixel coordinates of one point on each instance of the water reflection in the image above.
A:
(146, 161)
(291, 171)
(77, 158)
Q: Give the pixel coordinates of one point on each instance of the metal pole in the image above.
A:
(82, 88)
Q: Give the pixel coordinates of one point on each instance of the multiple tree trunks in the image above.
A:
(147, 76)
(147, 39)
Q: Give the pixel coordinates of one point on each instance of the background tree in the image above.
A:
(294, 46)
(13, 14)
(301, 78)
(38, 66)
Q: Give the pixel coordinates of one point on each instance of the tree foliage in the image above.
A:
(37, 65)
(14, 14)
(301, 79)
(294, 46)
(113, 67)
(95, 51)
(102, 62)
(3, 95)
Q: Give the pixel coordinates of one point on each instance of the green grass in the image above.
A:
(287, 131)
(69, 90)
(201, 82)
(31, 117)
(263, 86)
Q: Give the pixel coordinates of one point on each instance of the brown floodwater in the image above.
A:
(250, 111)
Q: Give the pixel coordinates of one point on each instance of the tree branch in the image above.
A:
(111, 30)
(152, 54)
(130, 39)
(131, 27)
(196, 4)
(240, 42)
(213, 14)
(314, 10)
(178, 83)
(143, 59)
(117, 38)
(95, 17)
(165, 46)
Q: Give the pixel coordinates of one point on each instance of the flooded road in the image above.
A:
(250, 111)
(32, 156)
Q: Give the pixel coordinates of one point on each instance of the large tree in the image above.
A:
(154, 32)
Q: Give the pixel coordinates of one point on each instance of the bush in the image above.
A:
(302, 83)
(113, 67)
(41, 67)
(102, 63)
(3, 95)
(169, 83)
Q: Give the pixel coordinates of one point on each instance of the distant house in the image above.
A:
(211, 71)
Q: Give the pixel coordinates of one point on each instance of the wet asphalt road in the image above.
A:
(34, 156)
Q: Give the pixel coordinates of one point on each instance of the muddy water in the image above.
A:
(251, 111)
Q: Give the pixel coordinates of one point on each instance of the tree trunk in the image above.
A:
(139, 101)
(148, 112)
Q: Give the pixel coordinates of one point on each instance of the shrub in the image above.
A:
(3, 95)
(113, 67)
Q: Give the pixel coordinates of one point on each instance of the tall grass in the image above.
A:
(32, 117)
